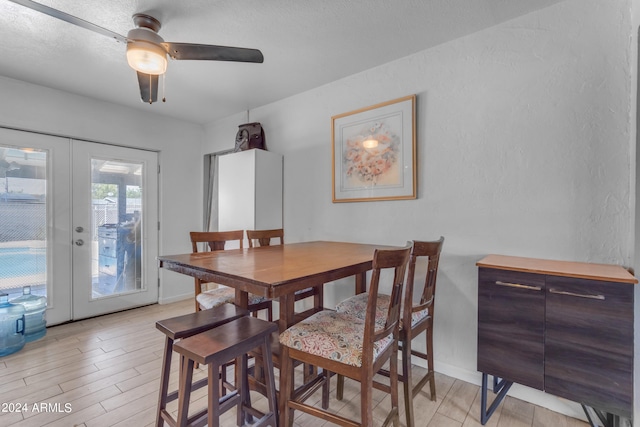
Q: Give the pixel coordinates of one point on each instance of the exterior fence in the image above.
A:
(21, 221)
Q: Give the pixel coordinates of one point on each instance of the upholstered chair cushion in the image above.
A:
(357, 306)
(216, 297)
(332, 335)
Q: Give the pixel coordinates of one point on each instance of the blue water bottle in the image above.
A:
(35, 310)
(11, 326)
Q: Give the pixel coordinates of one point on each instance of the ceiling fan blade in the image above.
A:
(212, 52)
(70, 19)
(148, 87)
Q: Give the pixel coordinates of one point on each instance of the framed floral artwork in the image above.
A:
(374, 152)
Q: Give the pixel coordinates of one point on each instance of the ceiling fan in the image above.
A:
(147, 51)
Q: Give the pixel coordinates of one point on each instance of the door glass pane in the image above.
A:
(116, 189)
(23, 220)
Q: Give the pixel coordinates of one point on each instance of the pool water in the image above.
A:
(16, 262)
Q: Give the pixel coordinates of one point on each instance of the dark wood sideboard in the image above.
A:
(562, 327)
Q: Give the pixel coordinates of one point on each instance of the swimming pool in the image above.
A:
(18, 262)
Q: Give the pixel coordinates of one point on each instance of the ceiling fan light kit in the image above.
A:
(147, 51)
(144, 54)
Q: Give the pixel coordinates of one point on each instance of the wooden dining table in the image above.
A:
(278, 271)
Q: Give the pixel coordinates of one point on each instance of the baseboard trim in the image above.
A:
(175, 298)
(537, 397)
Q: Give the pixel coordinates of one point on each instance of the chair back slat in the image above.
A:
(431, 250)
(264, 236)
(215, 240)
(397, 260)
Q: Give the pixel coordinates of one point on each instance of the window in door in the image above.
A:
(116, 190)
(23, 220)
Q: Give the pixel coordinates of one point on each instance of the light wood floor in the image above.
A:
(105, 372)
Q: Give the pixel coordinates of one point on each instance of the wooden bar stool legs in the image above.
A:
(181, 327)
(214, 348)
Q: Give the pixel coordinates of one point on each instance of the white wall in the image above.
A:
(524, 136)
(29, 107)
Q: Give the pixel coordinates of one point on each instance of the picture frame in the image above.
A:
(374, 152)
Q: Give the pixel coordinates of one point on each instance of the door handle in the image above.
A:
(79, 242)
(79, 229)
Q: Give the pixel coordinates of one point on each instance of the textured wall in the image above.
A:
(523, 149)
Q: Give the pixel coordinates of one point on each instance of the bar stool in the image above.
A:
(214, 348)
(180, 327)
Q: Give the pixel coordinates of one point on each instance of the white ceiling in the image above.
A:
(305, 44)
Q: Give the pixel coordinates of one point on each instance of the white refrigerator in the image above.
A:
(250, 191)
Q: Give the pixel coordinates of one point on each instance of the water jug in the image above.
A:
(35, 309)
(11, 326)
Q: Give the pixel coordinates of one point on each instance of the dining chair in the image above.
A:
(216, 241)
(261, 238)
(350, 346)
(265, 238)
(418, 313)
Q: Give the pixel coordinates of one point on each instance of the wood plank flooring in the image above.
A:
(105, 371)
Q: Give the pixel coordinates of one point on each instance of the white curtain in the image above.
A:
(211, 190)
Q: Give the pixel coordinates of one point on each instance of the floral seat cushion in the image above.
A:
(217, 297)
(332, 335)
(357, 306)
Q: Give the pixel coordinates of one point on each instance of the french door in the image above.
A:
(114, 228)
(78, 223)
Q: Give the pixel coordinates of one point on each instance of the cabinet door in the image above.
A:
(589, 343)
(511, 326)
